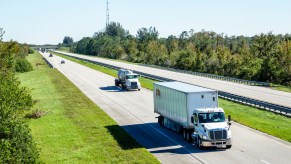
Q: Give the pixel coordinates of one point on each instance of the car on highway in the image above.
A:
(51, 55)
(63, 62)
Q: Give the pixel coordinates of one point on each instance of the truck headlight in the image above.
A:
(204, 137)
(228, 134)
(128, 83)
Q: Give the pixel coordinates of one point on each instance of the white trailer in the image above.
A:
(192, 110)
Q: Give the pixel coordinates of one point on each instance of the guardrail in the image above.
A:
(256, 103)
(236, 98)
(248, 82)
(48, 63)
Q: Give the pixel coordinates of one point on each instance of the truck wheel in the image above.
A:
(228, 146)
(199, 144)
(123, 87)
(189, 137)
(116, 83)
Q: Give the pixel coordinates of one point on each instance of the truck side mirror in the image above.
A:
(192, 119)
(229, 118)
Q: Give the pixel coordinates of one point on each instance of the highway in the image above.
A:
(133, 111)
(255, 92)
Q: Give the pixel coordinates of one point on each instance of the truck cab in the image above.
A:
(127, 79)
(211, 129)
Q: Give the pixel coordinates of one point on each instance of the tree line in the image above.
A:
(16, 142)
(263, 57)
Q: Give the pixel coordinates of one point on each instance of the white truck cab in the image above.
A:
(211, 129)
(127, 79)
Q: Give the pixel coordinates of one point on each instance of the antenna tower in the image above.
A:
(107, 13)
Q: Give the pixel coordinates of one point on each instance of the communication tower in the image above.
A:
(107, 13)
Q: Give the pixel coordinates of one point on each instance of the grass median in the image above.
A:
(264, 121)
(74, 129)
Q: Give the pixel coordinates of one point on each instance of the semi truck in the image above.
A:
(127, 79)
(194, 112)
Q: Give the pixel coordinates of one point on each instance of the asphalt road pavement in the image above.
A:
(134, 112)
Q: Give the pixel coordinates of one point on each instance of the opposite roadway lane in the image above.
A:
(133, 111)
(255, 92)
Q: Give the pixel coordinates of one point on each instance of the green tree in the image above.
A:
(146, 35)
(68, 40)
(1, 33)
(172, 44)
(16, 143)
(116, 30)
(155, 53)
(82, 45)
(284, 71)
(264, 47)
(253, 58)
(130, 48)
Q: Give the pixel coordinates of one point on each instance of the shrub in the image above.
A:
(30, 51)
(16, 143)
(22, 65)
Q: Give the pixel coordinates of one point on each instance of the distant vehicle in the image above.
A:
(127, 79)
(63, 62)
(51, 55)
(193, 111)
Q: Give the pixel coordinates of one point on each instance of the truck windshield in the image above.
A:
(211, 117)
(131, 76)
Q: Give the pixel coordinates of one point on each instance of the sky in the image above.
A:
(49, 21)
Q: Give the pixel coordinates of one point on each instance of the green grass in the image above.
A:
(281, 87)
(267, 122)
(75, 130)
(65, 49)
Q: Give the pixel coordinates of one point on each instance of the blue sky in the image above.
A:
(49, 21)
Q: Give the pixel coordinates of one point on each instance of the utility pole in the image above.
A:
(107, 13)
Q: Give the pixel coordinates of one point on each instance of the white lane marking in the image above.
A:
(265, 162)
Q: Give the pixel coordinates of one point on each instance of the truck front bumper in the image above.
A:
(216, 143)
(133, 87)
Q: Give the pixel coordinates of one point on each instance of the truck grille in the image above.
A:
(218, 134)
(133, 83)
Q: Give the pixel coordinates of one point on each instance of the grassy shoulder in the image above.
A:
(75, 130)
(264, 121)
(281, 88)
(267, 122)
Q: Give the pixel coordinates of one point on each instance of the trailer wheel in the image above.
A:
(161, 121)
(185, 134)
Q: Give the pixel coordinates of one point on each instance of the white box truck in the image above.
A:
(127, 79)
(193, 111)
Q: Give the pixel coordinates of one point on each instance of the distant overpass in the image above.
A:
(44, 46)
